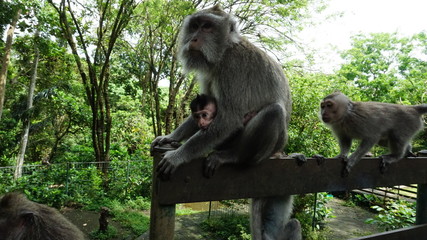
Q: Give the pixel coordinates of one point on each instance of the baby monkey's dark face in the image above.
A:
(205, 116)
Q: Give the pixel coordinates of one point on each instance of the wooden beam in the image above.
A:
(283, 176)
(415, 232)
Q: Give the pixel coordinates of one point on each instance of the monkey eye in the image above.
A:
(194, 26)
(207, 27)
(204, 115)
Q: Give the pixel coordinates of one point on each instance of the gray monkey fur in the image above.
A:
(388, 125)
(243, 79)
(22, 219)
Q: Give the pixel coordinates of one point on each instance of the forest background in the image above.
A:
(96, 81)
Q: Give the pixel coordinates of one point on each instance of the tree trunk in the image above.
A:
(27, 121)
(5, 60)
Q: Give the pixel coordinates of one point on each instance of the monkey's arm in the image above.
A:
(345, 145)
(362, 149)
(184, 131)
(201, 143)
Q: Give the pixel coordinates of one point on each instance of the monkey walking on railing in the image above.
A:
(242, 79)
(388, 125)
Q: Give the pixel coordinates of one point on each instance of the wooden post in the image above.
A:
(162, 217)
(421, 217)
(421, 204)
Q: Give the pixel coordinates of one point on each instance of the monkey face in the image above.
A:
(205, 116)
(204, 37)
(329, 111)
(334, 107)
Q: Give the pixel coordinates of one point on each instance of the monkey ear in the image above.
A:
(232, 28)
(217, 8)
(28, 217)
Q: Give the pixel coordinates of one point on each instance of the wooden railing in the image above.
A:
(282, 176)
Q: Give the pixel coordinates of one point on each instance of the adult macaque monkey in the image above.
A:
(385, 124)
(22, 219)
(242, 78)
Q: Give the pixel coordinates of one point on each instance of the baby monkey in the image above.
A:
(203, 109)
(388, 125)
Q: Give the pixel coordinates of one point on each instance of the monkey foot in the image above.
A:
(383, 166)
(319, 158)
(278, 155)
(299, 157)
(345, 170)
(214, 161)
(410, 154)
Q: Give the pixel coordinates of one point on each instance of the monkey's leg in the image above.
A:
(398, 149)
(269, 219)
(292, 230)
(408, 152)
(264, 135)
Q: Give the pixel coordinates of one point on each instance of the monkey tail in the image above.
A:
(422, 108)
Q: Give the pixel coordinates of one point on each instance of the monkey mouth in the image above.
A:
(326, 119)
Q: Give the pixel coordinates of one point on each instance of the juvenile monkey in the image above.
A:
(22, 219)
(203, 110)
(388, 125)
(243, 79)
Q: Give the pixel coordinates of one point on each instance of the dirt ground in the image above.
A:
(348, 223)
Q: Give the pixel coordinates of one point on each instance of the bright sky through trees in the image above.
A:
(407, 17)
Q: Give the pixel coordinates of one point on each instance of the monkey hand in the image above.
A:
(168, 165)
(162, 140)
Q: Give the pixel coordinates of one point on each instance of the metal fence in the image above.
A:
(81, 179)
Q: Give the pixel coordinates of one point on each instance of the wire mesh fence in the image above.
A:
(76, 179)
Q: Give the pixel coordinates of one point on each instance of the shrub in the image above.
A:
(396, 214)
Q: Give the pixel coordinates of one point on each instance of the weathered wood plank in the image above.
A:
(162, 217)
(413, 233)
(283, 176)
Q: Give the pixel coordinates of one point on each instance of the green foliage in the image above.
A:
(365, 200)
(228, 226)
(304, 210)
(109, 234)
(130, 217)
(396, 214)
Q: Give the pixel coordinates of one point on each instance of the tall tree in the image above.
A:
(154, 35)
(6, 58)
(94, 65)
(27, 118)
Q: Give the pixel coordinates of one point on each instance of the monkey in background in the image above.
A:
(388, 125)
(242, 78)
(22, 219)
